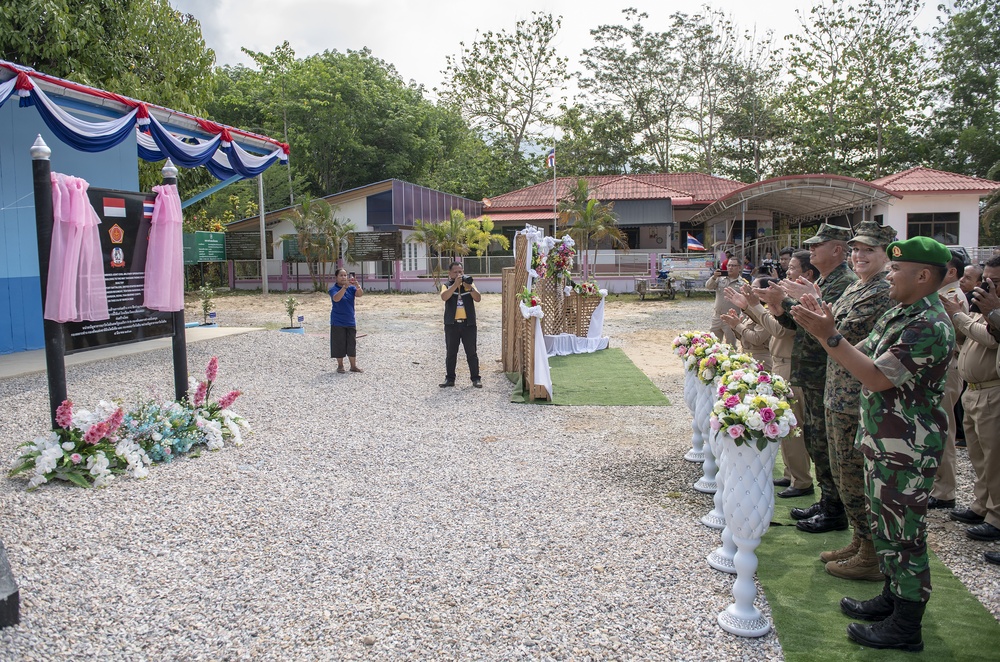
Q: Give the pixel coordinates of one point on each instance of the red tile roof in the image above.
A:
(701, 188)
(928, 180)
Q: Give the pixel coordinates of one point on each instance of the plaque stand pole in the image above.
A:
(179, 339)
(55, 342)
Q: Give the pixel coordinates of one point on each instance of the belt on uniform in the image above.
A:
(982, 385)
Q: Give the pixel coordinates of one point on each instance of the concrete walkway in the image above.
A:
(25, 363)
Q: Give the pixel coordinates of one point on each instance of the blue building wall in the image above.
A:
(20, 297)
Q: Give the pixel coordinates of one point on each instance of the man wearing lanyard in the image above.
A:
(460, 297)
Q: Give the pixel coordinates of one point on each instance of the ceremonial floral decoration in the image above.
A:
(587, 289)
(685, 342)
(90, 448)
(753, 408)
(560, 258)
(528, 297)
(720, 363)
(703, 348)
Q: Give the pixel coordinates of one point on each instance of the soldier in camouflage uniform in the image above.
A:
(828, 253)
(902, 367)
(855, 313)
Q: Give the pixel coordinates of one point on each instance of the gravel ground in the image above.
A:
(378, 516)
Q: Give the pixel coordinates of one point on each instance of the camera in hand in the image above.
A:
(467, 280)
(984, 286)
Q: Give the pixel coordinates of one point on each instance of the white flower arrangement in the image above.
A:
(753, 408)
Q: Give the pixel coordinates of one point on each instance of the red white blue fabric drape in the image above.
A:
(220, 155)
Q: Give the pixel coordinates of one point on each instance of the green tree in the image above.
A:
(589, 221)
(641, 74)
(856, 76)
(751, 123)
(594, 142)
(964, 134)
(431, 235)
(315, 226)
(504, 84)
(480, 235)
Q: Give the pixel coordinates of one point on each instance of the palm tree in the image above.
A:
(481, 235)
(431, 235)
(313, 220)
(455, 234)
(589, 220)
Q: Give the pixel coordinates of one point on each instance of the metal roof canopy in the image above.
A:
(799, 198)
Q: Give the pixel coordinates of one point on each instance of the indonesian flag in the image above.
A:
(114, 207)
(693, 244)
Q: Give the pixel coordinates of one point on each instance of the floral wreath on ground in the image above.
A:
(754, 408)
(91, 448)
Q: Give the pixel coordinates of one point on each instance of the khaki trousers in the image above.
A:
(723, 332)
(793, 449)
(944, 480)
(982, 436)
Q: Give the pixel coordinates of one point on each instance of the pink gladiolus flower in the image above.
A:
(226, 401)
(732, 401)
(200, 393)
(763, 378)
(96, 432)
(76, 458)
(714, 423)
(771, 431)
(767, 414)
(213, 369)
(736, 431)
(115, 421)
(64, 414)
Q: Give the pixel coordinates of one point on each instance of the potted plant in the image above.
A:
(206, 295)
(290, 305)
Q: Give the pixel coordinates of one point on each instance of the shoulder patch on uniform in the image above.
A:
(909, 336)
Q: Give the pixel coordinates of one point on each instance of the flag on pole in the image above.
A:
(693, 244)
(550, 160)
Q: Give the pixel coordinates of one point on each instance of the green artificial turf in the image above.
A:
(607, 377)
(805, 600)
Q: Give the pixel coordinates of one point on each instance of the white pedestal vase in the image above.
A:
(691, 394)
(709, 467)
(721, 558)
(748, 503)
(716, 518)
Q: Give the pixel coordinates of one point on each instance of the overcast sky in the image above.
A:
(417, 36)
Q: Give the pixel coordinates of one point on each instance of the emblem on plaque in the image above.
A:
(117, 234)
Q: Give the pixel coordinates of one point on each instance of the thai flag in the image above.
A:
(147, 209)
(550, 160)
(693, 244)
(114, 207)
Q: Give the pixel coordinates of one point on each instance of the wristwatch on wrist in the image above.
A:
(835, 339)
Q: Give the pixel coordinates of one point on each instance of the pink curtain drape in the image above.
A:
(164, 289)
(76, 291)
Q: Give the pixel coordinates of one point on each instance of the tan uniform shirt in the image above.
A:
(756, 340)
(782, 340)
(719, 285)
(977, 362)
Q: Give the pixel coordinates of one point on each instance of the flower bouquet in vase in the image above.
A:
(751, 416)
(684, 346)
(711, 371)
(711, 356)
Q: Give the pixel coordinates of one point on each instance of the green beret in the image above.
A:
(828, 232)
(873, 234)
(922, 250)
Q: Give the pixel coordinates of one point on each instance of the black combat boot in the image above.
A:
(878, 608)
(831, 517)
(901, 630)
(806, 513)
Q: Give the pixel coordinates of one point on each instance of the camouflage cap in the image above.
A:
(922, 250)
(828, 232)
(873, 234)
